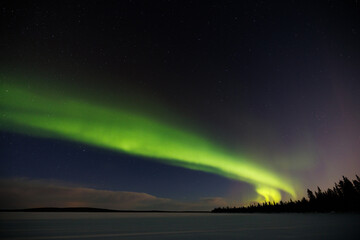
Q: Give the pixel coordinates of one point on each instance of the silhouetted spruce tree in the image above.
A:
(343, 197)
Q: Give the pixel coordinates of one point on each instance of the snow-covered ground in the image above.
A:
(178, 226)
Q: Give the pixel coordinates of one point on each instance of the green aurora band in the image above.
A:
(52, 116)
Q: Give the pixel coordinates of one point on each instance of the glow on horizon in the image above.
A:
(23, 110)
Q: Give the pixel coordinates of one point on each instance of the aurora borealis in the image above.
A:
(177, 105)
(105, 127)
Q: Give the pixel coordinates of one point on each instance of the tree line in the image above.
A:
(343, 197)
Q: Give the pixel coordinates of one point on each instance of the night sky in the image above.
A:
(176, 105)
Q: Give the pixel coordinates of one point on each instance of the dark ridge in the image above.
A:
(88, 209)
(343, 197)
(52, 209)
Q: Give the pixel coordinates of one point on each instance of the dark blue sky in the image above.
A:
(103, 169)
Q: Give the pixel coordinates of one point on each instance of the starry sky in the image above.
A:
(176, 105)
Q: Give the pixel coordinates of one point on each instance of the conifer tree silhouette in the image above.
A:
(343, 197)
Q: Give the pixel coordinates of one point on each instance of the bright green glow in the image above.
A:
(69, 118)
(268, 194)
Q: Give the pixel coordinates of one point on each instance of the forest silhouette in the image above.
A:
(343, 197)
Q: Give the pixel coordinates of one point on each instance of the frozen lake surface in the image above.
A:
(178, 226)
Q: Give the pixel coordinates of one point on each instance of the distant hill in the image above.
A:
(88, 209)
(51, 209)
